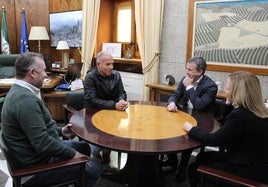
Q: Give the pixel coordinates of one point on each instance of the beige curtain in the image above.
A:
(148, 16)
(91, 9)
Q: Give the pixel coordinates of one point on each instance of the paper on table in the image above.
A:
(7, 81)
(46, 80)
(77, 84)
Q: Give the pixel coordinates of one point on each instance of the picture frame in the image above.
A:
(66, 26)
(231, 35)
(114, 48)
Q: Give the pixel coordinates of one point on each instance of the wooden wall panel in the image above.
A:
(105, 29)
(64, 5)
(36, 15)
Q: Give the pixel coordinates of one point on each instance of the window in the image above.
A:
(124, 22)
(125, 31)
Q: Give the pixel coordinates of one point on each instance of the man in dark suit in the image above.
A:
(196, 91)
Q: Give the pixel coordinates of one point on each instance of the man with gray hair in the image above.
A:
(31, 134)
(104, 89)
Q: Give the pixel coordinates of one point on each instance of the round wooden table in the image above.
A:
(144, 130)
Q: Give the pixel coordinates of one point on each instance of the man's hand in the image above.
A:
(67, 132)
(121, 105)
(187, 81)
(187, 126)
(172, 107)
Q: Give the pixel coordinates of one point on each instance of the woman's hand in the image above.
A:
(187, 126)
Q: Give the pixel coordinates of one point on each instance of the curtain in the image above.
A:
(90, 11)
(148, 17)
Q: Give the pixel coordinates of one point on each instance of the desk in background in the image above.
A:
(53, 99)
(160, 92)
(49, 83)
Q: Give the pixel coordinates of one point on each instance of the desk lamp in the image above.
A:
(38, 33)
(63, 45)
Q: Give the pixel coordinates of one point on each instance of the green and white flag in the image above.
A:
(5, 47)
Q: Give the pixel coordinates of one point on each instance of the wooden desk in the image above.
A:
(53, 99)
(53, 81)
(144, 130)
(160, 92)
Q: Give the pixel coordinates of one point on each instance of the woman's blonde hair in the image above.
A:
(246, 92)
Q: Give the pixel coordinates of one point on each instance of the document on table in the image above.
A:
(7, 81)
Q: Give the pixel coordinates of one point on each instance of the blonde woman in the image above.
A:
(244, 133)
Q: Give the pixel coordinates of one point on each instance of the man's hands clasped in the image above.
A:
(121, 105)
(67, 132)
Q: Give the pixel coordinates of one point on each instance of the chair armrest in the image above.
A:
(3, 94)
(69, 109)
(48, 167)
(229, 177)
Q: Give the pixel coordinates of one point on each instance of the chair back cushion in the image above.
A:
(75, 99)
(9, 157)
(7, 65)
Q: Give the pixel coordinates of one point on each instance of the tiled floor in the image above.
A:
(6, 181)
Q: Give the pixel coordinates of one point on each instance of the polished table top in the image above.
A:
(145, 127)
(146, 122)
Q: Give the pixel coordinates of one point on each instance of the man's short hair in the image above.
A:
(200, 62)
(24, 62)
(102, 54)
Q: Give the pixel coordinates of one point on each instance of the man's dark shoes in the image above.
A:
(168, 166)
(180, 175)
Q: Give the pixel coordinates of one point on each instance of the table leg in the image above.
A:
(140, 170)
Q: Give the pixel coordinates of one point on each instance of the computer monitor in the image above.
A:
(73, 72)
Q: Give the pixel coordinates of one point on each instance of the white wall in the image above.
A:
(174, 42)
(133, 83)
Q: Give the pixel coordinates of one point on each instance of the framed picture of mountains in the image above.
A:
(230, 34)
(66, 26)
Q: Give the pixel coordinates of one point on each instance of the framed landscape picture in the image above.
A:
(66, 26)
(230, 34)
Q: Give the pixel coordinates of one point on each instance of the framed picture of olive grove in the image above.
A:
(230, 34)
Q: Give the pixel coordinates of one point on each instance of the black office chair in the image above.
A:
(1, 105)
(225, 179)
(18, 174)
(74, 103)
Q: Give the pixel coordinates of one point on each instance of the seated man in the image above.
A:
(197, 91)
(30, 132)
(104, 89)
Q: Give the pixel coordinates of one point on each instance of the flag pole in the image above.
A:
(5, 46)
(23, 37)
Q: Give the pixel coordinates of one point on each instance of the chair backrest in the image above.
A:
(7, 65)
(75, 99)
(73, 72)
(9, 157)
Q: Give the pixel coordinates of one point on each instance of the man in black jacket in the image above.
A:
(104, 89)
